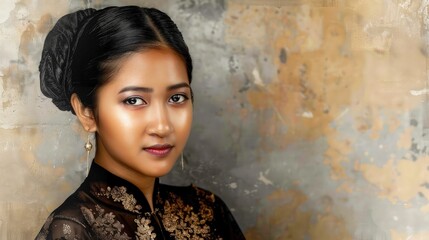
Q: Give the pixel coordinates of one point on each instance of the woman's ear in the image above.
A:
(84, 114)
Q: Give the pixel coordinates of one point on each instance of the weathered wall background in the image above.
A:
(310, 116)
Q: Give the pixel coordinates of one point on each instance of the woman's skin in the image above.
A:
(143, 117)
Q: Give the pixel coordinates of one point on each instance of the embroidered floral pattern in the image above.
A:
(185, 222)
(67, 233)
(104, 224)
(66, 230)
(200, 193)
(144, 230)
(119, 194)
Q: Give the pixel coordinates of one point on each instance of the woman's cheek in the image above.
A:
(117, 119)
(126, 119)
(183, 119)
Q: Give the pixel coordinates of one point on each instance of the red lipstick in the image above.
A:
(159, 150)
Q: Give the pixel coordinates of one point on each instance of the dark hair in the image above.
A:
(100, 39)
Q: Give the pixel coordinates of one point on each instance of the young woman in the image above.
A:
(125, 72)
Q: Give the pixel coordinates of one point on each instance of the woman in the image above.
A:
(125, 72)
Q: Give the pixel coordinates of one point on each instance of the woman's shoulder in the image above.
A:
(68, 219)
(65, 221)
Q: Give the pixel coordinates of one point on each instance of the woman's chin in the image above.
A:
(157, 171)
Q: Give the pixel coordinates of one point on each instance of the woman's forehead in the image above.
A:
(151, 67)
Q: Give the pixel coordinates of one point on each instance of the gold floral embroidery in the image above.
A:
(144, 230)
(66, 230)
(119, 194)
(104, 224)
(201, 193)
(185, 222)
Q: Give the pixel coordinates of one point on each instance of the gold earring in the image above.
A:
(181, 161)
(88, 147)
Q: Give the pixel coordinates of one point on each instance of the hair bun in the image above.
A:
(57, 54)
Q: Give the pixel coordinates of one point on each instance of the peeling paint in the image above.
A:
(264, 179)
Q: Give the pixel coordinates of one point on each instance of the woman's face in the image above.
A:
(144, 114)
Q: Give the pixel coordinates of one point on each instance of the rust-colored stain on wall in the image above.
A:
(310, 116)
(283, 218)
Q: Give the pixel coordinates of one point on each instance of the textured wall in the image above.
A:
(310, 116)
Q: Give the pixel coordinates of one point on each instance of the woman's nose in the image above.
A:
(160, 123)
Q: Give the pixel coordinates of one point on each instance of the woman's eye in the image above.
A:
(178, 98)
(134, 101)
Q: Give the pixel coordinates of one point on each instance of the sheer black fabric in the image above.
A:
(108, 207)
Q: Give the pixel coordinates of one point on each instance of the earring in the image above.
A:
(88, 147)
(181, 161)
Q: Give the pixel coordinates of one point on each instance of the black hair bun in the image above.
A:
(57, 54)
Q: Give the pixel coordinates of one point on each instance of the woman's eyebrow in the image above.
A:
(136, 89)
(149, 90)
(179, 85)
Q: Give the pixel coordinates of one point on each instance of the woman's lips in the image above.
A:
(159, 150)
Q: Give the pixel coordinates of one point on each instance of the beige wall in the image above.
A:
(310, 116)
